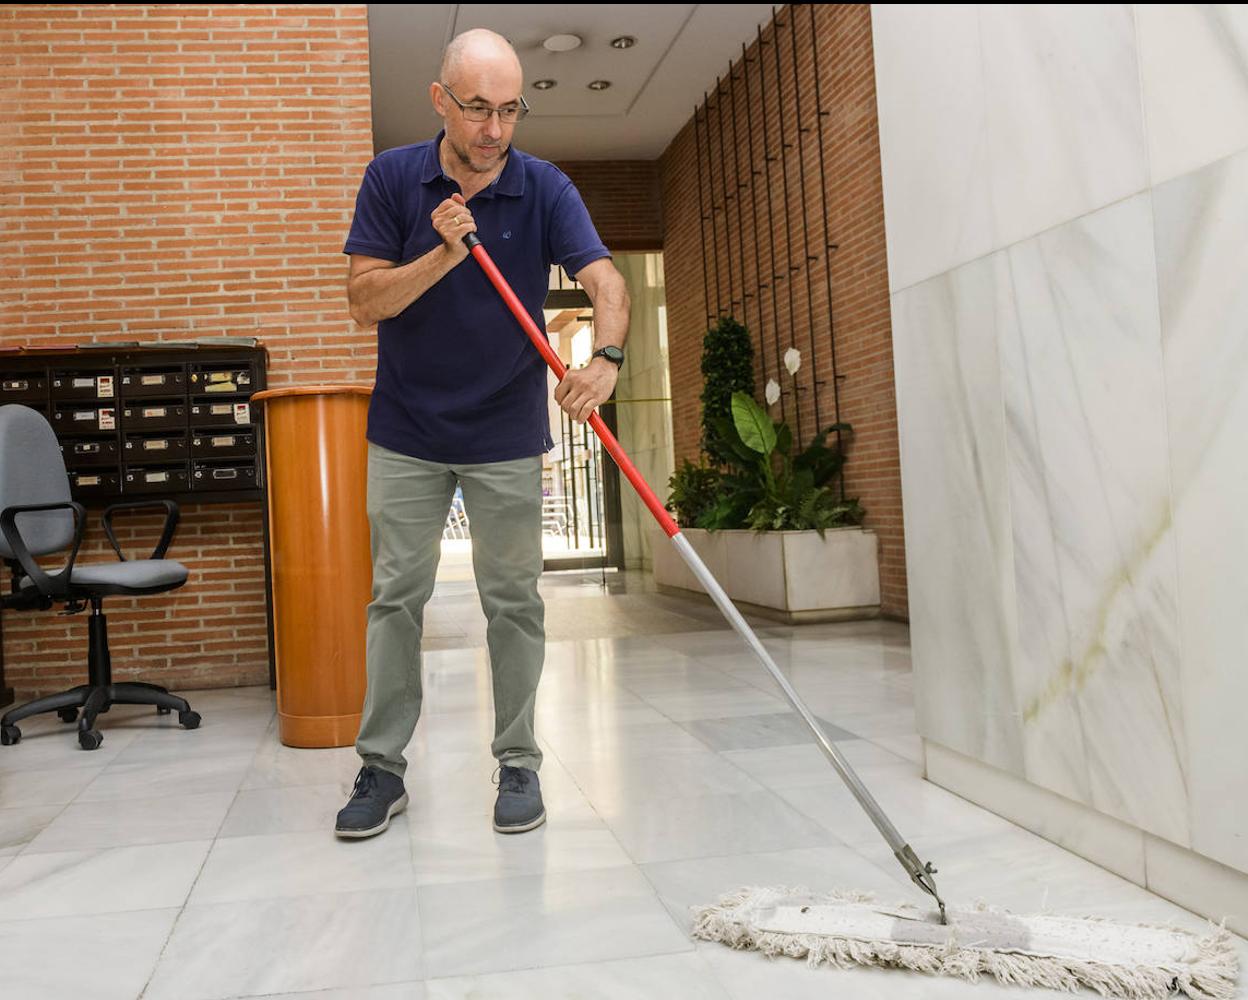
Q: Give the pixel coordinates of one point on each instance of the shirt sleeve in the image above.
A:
(574, 242)
(375, 227)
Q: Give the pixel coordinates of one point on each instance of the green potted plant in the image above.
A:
(766, 513)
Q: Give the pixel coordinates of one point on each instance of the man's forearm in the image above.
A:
(611, 315)
(384, 292)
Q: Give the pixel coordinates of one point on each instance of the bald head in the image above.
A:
(478, 51)
(479, 69)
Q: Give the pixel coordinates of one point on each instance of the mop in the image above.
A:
(848, 928)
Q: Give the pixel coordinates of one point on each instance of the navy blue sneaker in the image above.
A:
(378, 795)
(519, 805)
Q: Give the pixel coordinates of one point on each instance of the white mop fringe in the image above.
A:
(1208, 972)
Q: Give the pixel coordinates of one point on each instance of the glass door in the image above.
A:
(581, 522)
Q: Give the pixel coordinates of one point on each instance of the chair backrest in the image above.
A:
(32, 471)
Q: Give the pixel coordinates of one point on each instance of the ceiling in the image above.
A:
(680, 50)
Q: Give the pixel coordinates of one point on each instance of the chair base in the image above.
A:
(95, 700)
(99, 695)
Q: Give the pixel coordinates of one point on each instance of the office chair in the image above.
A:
(35, 489)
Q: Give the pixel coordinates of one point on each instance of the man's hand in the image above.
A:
(453, 222)
(583, 389)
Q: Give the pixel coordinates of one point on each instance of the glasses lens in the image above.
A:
(480, 113)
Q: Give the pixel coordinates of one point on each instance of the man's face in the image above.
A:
(478, 146)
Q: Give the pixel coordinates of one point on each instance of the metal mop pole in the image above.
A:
(918, 871)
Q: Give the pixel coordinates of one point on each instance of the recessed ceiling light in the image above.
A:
(599, 84)
(623, 42)
(562, 43)
(543, 84)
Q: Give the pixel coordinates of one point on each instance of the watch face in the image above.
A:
(612, 354)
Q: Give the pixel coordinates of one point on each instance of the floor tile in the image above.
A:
(541, 920)
(285, 809)
(613, 782)
(303, 864)
(60, 957)
(711, 825)
(110, 880)
(460, 848)
(44, 786)
(18, 827)
(664, 977)
(265, 946)
(750, 732)
(203, 775)
(86, 825)
(391, 991)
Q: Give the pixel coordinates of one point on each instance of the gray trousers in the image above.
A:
(408, 500)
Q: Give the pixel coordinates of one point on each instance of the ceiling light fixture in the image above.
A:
(599, 84)
(562, 43)
(543, 84)
(623, 42)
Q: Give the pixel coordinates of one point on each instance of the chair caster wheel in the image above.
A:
(90, 739)
(10, 736)
(68, 714)
(188, 719)
(162, 710)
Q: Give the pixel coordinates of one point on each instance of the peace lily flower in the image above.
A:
(772, 392)
(792, 360)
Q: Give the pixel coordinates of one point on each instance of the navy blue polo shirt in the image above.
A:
(457, 379)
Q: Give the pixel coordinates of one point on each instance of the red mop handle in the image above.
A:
(557, 366)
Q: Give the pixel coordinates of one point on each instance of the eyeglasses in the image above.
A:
(482, 112)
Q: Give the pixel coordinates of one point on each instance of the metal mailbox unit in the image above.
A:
(169, 423)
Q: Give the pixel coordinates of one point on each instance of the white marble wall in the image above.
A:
(1201, 221)
(1066, 203)
(644, 391)
(958, 548)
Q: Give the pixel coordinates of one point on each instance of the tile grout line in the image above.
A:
(203, 864)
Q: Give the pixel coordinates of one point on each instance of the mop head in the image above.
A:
(1061, 953)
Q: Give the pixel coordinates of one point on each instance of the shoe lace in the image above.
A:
(365, 783)
(512, 779)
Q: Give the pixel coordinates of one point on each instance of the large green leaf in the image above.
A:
(823, 460)
(733, 450)
(755, 427)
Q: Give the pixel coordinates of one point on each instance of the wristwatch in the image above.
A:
(612, 354)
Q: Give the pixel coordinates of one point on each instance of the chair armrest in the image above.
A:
(172, 517)
(49, 585)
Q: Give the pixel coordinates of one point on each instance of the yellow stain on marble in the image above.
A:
(1071, 676)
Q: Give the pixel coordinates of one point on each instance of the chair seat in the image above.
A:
(131, 575)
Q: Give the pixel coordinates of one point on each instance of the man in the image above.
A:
(460, 399)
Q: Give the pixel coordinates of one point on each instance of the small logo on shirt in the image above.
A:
(507, 235)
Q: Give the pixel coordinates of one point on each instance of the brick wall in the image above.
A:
(174, 172)
(749, 211)
(623, 200)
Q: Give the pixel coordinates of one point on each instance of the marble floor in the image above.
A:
(174, 865)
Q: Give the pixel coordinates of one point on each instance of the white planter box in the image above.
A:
(791, 576)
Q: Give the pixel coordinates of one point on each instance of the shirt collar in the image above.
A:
(510, 182)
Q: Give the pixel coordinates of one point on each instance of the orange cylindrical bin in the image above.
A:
(317, 459)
